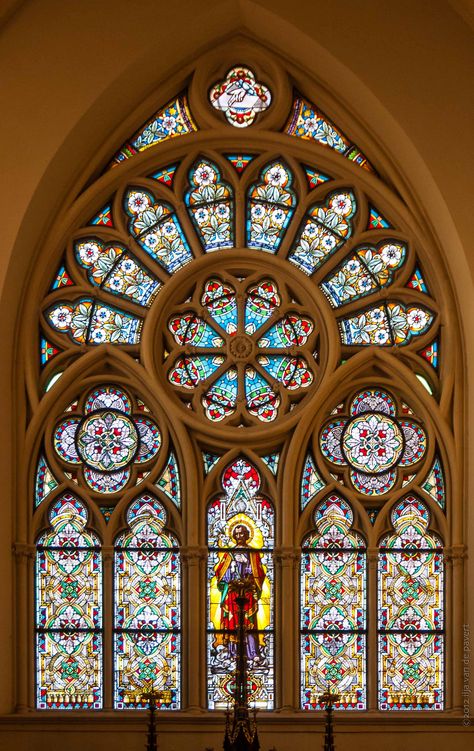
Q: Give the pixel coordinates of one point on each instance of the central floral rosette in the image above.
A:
(372, 443)
(237, 350)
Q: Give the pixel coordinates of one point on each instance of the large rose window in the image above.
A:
(372, 442)
(241, 350)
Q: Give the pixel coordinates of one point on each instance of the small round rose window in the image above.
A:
(241, 352)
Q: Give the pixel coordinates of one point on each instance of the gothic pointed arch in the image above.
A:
(243, 320)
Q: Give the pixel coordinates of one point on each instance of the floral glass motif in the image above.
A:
(386, 325)
(88, 321)
(155, 227)
(68, 611)
(210, 203)
(270, 207)
(173, 120)
(333, 594)
(372, 442)
(241, 540)
(368, 270)
(147, 609)
(411, 612)
(308, 122)
(107, 440)
(110, 266)
(325, 229)
(240, 97)
(243, 352)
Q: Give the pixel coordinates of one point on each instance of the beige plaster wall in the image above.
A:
(72, 75)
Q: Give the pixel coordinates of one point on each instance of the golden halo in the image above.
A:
(255, 534)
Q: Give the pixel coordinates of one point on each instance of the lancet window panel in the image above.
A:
(333, 610)
(241, 541)
(411, 612)
(147, 609)
(69, 626)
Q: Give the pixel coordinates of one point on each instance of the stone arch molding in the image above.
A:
(324, 364)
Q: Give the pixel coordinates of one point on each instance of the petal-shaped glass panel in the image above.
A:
(110, 482)
(325, 229)
(188, 371)
(270, 207)
(211, 206)
(262, 401)
(385, 325)
(292, 372)
(292, 330)
(110, 266)
(220, 401)
(108, 397)
(188, 328)
(65, 440)
(368, 269)
(262, 300)
(150, 439)
(219, 299)
(156, 228)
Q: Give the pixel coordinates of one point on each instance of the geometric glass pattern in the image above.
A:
(147, 609)
(434, 484)
(333, 622)
(411, 612)
(311, 482)
(314, 177)
(45, 482)
(431, 353)
(372, 442)
(417, 281)
(240, 97)
(270, 207)
(309, 123)
(240, 526)
(243, 351)
(169, 480)
(108, 440)
(68, 611)
(377, 220)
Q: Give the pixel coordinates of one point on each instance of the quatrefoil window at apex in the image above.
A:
(107, 440)
(373, 442)
(240, 96)
(243, 348)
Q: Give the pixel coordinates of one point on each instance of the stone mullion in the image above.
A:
(108, 658)
(454, 621)
(25, 651)
(193, 656)
(371, 607)
(287, 628)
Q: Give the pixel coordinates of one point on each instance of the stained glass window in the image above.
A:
(233, 275)
(210, 204)
(147, 608)
(68, 611)
(107, 443)
(411, 612)
(333, 609)
(270, 207)
(241, 538)
(242, 352)
(372, 442)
